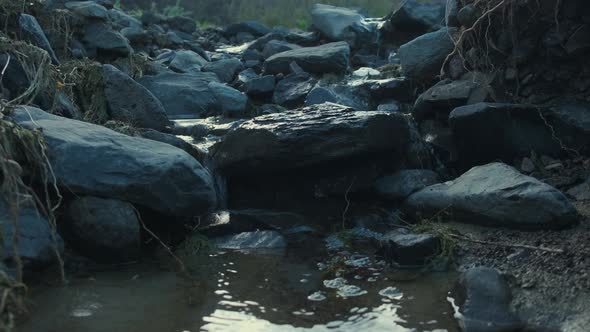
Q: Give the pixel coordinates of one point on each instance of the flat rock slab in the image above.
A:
(327, 58)
(496, 194)
(92, 160)
(311, 136)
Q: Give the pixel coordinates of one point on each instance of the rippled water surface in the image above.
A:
(274, 292)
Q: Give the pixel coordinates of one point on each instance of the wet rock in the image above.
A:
(496, 194)
(88, 9)
(101, 40)
(389, 107)
(409, 249)
(404, 183)
(183, 95)
(92, 160)
(343, 24)
(226, 70)
(419, 16)
(314, 135)
(423, 57)
(230, 101)
(488, 131)
(327, 58)
(36, 246)
(32, 32)
(277, 46)
(252, 27)
(104, 229)
(483, 297)
(292, 90)
(252, 240)
(129, 101)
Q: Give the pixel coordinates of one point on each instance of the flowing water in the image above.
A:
(274, 291)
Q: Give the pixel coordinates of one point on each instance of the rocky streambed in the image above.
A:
(417, 172)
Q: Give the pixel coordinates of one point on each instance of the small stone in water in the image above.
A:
(391, 293)
(335, 283)
(350, 291)
(317, 296)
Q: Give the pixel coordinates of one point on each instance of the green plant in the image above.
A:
(176, 10)
(302, 24)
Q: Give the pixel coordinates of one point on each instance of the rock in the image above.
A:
(496, 194)
(249, 220)
(349, 95)
(389, 107)
(129, 101)
(183, 95)
(121, 20)
(226, 70)
(135, 35)
(252, 240)
(404, 183)
(36, 246)
(581, 192)
(183, 24)
(451, 13)
(314, 135)
(92, 160)
(88, 9)
(174, 141)
(423, 57)
(104, 229)
(419, 16)
(527, 165)
(292, 90)
(487, 131)
(254, 28)
(442, 98)
(483, 297)
(327, 58)
(309, 38)
(468, 15)
(186, 61)
(32, 32)
(343, 24)
(409, 249)
(231, 102)
(99, 39)
(260, 86)
(277, 46)
(398, 88)
(320, 95)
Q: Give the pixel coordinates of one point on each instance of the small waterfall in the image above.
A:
(220, 183)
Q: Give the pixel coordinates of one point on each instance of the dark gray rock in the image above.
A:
(309, 38)
(404, 183)
(292, 90)
(343, 24)
(468, 15)
(409, 249)
(101, 40)
(88, 9)
(277, 46)
(252, 240)
(239, 221)
(225, 69)
(122, 20)
(320, 95)
(496, 194)
(174, 141)
(131, 102)
(185, 61)
(36, 244)
(252, 27)
(315, 135)
(348, 94)
(327, 58)
(260, 86)
(483, 297)
(92, 160)
(32, 32)
(135, 35)
(181, 23)
(419, 16)
(183, 95)
(423, 57)
(230, 101)
(398, 88)
(107, 230)
(451, 13)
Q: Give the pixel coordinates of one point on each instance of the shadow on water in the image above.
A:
(232, 291)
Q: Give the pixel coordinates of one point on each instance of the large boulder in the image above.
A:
(230, 101)
(226, 69)
(483, 298)
(100, 40)
(314, 135)
(423, 57)
(131, 102)
(88, 9)
(92, 160)
(343, 24)
(103, 229)
(419, 16)
(496, 194)
(183, 95)
(490, 131)
(36, 244)
(32, 32)
(327, 58)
